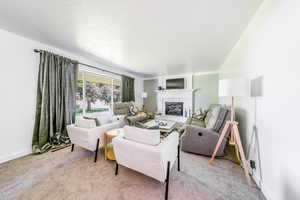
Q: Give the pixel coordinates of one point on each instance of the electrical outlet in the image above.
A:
(252, 164)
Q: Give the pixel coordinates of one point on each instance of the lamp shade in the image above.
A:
(235, 87)
(144, 95)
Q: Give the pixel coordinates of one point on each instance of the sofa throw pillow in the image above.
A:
(221, 117)
(93, 118)
(214, 116)
(133, 109)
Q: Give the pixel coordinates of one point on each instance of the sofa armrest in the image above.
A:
(201, 140)
(169, 148)
(87, 137)
(200, 131)
(136, 118)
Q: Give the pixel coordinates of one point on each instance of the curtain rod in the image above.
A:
(90, 66)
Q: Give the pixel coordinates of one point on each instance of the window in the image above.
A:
(96, 93)
(79, 94)
(117, 90)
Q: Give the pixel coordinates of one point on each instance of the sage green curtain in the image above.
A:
(55, 102)
(127, 89)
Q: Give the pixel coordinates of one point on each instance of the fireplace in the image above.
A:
(174, 108)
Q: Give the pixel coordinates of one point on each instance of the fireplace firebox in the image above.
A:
(174, 108)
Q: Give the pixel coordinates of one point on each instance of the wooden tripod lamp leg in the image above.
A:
(227, 125)
(236, 148)
(241, 151)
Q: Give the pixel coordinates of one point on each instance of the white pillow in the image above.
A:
(85, 123)
(145, 136)
(105, 118)
(214, 116)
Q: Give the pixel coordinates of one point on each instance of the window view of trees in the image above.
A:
(96, 93)
(117, 90)
(79, 94)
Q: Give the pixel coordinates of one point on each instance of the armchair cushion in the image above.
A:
(93, 118)
(85, 123)
(105, 118)
(145, 136)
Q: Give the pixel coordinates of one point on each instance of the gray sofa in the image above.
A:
(123, 109)
(200, 139)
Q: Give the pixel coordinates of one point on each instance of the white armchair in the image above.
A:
(152, 160)
(91, 138)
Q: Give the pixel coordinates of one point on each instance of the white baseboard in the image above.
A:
(262, 187)
(15, 155)
(266, 192)
(256, 180)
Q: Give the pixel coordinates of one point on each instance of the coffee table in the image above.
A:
(164, 125)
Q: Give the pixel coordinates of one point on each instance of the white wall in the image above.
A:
(18, 83)
(206, 88)
(270, 47)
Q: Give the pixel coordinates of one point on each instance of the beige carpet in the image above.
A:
(74, 175)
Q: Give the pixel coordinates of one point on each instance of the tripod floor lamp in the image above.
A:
(236, 87)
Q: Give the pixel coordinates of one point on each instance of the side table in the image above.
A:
(108, 148)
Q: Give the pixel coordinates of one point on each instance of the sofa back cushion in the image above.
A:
(145, 136)
(209, 112)
(220, 119)
(227, 118)
(121, 108)
(213, 118)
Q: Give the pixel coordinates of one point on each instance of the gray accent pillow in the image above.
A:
(93, 118)
(221, 117)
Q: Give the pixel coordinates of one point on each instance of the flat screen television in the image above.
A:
(177, 83)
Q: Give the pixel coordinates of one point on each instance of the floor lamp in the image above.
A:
(236, 87)
(144, 96)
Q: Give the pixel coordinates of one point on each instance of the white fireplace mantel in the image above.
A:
(175, 91)
(180, 95)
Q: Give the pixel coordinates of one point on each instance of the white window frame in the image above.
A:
(84, 72)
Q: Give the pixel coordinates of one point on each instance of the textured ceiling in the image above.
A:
(148, 37)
